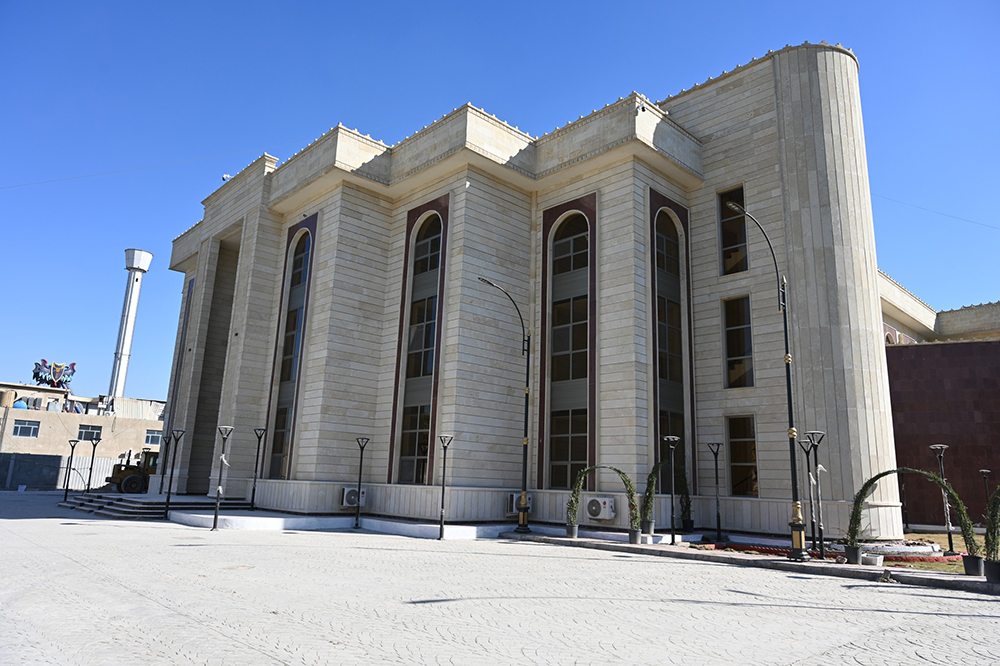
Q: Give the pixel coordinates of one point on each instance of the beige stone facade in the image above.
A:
(783, 133)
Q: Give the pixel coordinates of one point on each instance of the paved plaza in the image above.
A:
(75, 589)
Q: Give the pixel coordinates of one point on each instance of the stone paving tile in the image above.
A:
(80, 590)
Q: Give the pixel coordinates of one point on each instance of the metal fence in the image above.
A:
(46, 472)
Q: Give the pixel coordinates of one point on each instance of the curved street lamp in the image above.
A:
(522, 507)
(797, 525)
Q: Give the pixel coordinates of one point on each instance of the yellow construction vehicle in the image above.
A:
(129, 478)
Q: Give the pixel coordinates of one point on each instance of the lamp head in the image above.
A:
(671, 440)
(445, 440)
(178, 433)
(225, 431)
(732, 205)
(939, 449)
(715, 446)
(489, 282)
(259, 432)
(165, 439)
(96, 441)
(984, 472)
(815, 437)
(363, 442)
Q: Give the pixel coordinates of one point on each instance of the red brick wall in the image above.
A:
(947, 393)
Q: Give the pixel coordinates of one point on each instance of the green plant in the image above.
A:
(648, 498)
(633, 505)
(992, 549)
(968, 533)
(682, 487)
(573, 505)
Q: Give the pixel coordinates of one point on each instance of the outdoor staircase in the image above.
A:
(143, 507)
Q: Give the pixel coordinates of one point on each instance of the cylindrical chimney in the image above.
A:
(136, 263)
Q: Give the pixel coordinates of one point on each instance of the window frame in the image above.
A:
(731, 458)
(32, 426)
(85, 429)
(726, 216)
(728, 359)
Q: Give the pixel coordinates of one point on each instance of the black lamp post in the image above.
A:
(806, 447)
(522, 507)
(94, 442)
(671, 441)
(69, 467)
(161, 462)
(177, 433)
(715, 446)
(445, 441)
(939, 450)
(798, 551)
(225, 431)
(260, 432)
(986, 484)
(362, 443)
(814, 438)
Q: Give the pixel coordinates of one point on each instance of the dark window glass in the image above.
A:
(667, 245)
(300, 262)
(668, 339)
(427, 253)
(742, 455)
(570, 245)
(567, 446)
(420, 357)
(671, 423)
(414, 444)
(739, 343)
(732, 233)
(569, 339)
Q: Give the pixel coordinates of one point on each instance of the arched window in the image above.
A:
(290, 356)
(421, 343)
(569, 351)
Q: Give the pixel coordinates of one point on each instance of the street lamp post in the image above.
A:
(806, 449)
(796, 525)
(362, 443)
(94, 442)
(939, 450)
(522, 507)
(814, 438)
(225, 431)
(671, 441)
(445, 441)
(986, 484)
(260, 432)
(715, 446)
(177, 433)
(69, 467)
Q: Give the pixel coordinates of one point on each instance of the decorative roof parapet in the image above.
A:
(756, 61)
(907, 291)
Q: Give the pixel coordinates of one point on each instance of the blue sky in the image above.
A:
(119, 118)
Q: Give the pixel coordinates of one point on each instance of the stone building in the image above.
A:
(336, 296)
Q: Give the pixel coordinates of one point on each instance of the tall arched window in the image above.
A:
(289, 358)
(669, 355)
(569, 356)
(421, 343)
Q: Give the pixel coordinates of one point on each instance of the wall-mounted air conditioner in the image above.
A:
(349, 498)
(513, 501)
(601, 508)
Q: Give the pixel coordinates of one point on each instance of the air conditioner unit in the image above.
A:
(601, 508)
(514, 501)
(349, 498)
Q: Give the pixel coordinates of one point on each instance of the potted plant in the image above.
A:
(634, 526)
(991, 567)
(853, 552)
(647, 520)
(573, 505)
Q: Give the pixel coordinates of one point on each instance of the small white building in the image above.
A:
(336, 296)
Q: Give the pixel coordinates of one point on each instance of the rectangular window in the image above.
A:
(291, 348)
(153, 437)
(89, 432)
(423, 321)
(668, 331)
(415, 444)
(569, 339)
(732, 233)
(26, 428)
(567, 447)
(742, 455)
(279, 439)
(739, 343)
